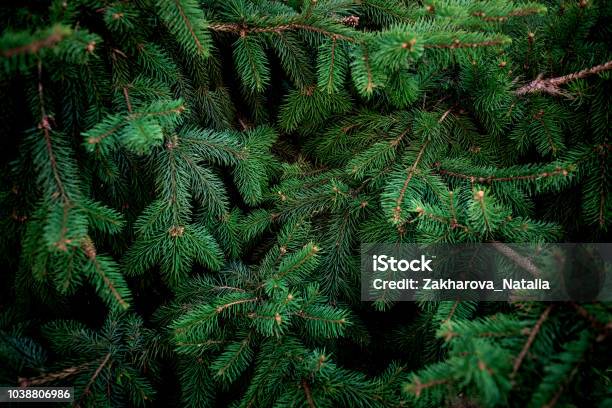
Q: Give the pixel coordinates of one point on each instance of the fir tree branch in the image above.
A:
(551, 85)
(57, 35)
(303, 315)
(313, 251)
(90, 251)
(228, 364)
(173, 199)
(479, 196)
(221, 308)
(521, 12)
(459, 44)
(306, 388)
(517, 259)
(532, 335)
(418, 386)
(387, 10)
(46, 127)
(409, 174)
(597, 324)
(451, 313)
(111, 131)
(189, 26)
(243, 29)
(50, 377)
(366, 62)
(200, 344)
(451, 222)
(127, 99)
(559, 392)
(238, 154)
(185, 20)
(491, 179)
(602, 156)
(225, 287)
(332, 63)
(178, 110)
(95, 375)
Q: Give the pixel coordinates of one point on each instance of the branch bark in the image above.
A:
(50, 377)
(532, 335)
(309, 399)
(518, 259)
(551, 85)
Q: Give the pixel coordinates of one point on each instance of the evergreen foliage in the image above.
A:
(186, 185)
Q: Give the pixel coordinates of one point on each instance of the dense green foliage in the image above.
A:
(186, 184)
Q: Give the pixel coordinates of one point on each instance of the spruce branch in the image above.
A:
(306, 316)
(417, 386)
(185, 19)
(559, 171)
(90, 251)
(51, 377)
(518, 259)
(555, 398)
(222, 307)
(532, 335)
(45, 126)
(243, 30)
(366, 63)
(409, 174)
(551, 85)
(126, 95)
(601, 213)
(308, 394)
(188, 25)
(451, 313)
(57, 34)
(520, 12)
(460, 44)
(451, 222)
(94, 376)
(604, 327)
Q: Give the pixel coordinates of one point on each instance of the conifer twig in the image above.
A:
(518, 259)
(189, 26)
(49, 377)
(458, 44)
(243, 30)
(409, 174)
(551, 85)
(418, 386)
(490, 179)
(90, 251)
(95, 375)
(532, 335)
(45, 126)
(597, 324)
(559, 392)
(306, 387)
(527, 11)
(56, 36)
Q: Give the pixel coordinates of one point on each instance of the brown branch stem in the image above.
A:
(244, 29)
(49, 377)
(32, 48)
(551, 85)
(306, 387)
(518, 259)
(532, 335)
